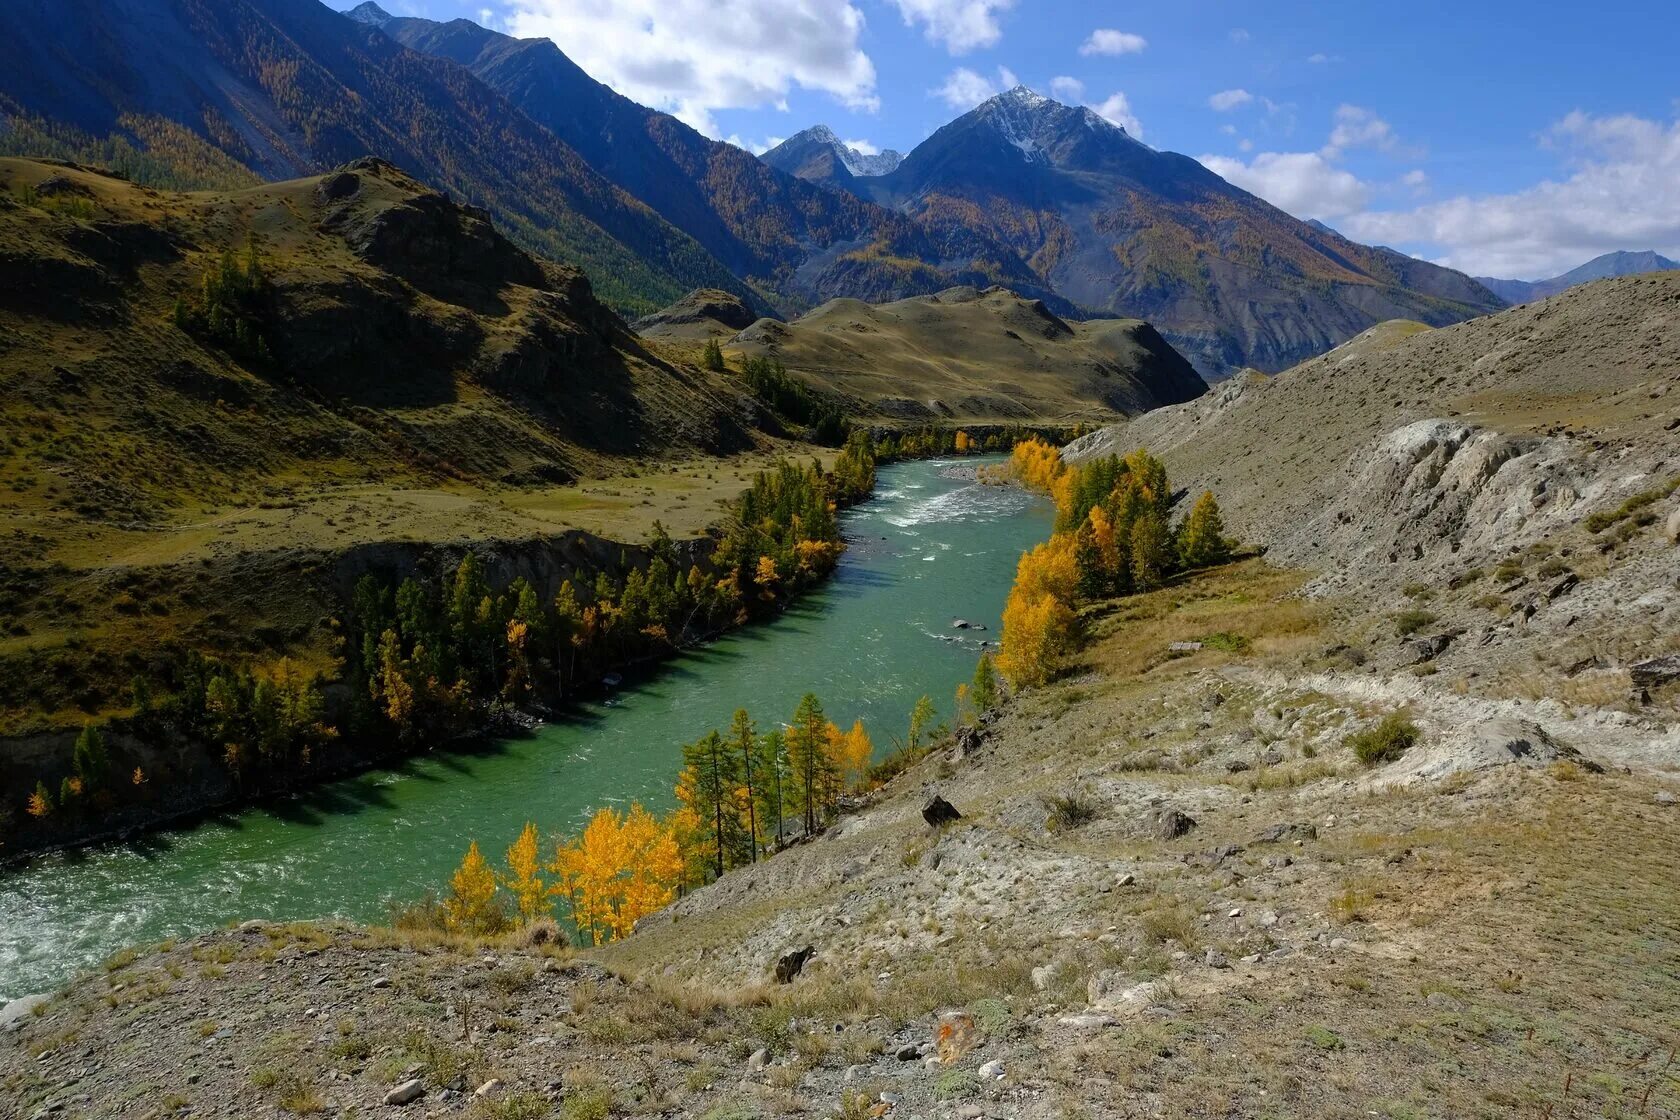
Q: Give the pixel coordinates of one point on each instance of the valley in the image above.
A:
(516, 607)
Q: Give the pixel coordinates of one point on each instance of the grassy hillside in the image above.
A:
(971, 356)
(404, 373)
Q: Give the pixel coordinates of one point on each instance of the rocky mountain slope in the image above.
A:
(793, 242)
(1119, 228)
(968, 355)
(1620, 263)
(403, 373)
(1491, 471)
(188, 94)
(701, 314)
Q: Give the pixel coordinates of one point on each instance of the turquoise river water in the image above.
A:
(924, 551)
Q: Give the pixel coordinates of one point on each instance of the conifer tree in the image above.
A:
(712, 358)
(983, 692)
(1202, 539)
(774, 771)
(711, 781)
(808, 758)
(743, 742)
(524, 878)
(471, 905)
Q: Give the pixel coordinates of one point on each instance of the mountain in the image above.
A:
(975, 356)
(794, 243)
(819, 156)
(403, 374)
(1119, 228)
(187, 93)
(701, 314)
(1619, 263)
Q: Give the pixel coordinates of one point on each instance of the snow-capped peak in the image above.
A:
(860, 163)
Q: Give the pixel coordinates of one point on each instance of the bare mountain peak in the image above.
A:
(370, 13)
(795, 153)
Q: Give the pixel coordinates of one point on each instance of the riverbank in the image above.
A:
(1161, 862)
(869, 642)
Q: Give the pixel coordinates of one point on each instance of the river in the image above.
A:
(922, 552)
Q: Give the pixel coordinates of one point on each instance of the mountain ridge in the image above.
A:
(1620, 262)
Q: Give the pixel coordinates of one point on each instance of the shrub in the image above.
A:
(1069, 810)
(1409, 622)
(1385, 742)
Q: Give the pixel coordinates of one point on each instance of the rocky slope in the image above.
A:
(968, 355)
(818, 156)
(701, 314)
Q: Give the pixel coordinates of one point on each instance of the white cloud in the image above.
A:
(1116, 110)
(1064, 88)
(963, 88)
(1622, 192)
(862, 147)
(1318, 59)
(1106, 40)
(1303, 183)
(1358, 128)
(958, 25)
(1415, 180)
(756, 149)
(1245, 145)
(1228, 99)
(1239, 35)
(677, 55)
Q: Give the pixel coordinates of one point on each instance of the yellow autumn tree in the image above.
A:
(766, 577)
(850, 752)
(654, 870)
(620, 869)
(1037, 632)
(524, 878)
(471, 906)
(963, 443)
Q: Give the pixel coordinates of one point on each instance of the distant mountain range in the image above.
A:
(1049, 200)
(1620, 263)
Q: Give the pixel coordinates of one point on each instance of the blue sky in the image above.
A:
(1502, 138)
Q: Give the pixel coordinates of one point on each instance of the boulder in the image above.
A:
(940, 812)
(1672, 529)
(792, 964)
(406, 1093)
(967, 741)
(1655, 671)
(955, 1035)
(1170, 824)
(1278, 833)
(18, 1012)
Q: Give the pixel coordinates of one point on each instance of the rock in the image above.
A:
(1338, 943)
(1088, 1021)
(967, 740)
(909, 1052)
(758, 1060)
(1042, 976)
(792, 964)
(406, 1093)
(889, 1099)
(1267, 919)
(1170, 824)
(1272, 758)
(1663, 797)
(1563, 586)
(1125, 880)
(1428, 649)
(1655, 671)
(940, 812)
(1216, 959)
(254, 925)
(1236, 766)
(954, 1036)
(959, 624)
(494, 1085)
(1252, 958)
(1112, 988)
(18, 1012)
(380, 982)
(1672, 529)
(992, 1070)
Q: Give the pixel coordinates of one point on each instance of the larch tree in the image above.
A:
(808, 758)
(921, 718)
(983, 692)
(471, 904)
(524, 878)
(743, 742)
(711, 781)
(773, 771)
(1202, 539)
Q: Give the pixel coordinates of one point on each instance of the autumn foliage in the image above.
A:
(1114, 536)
